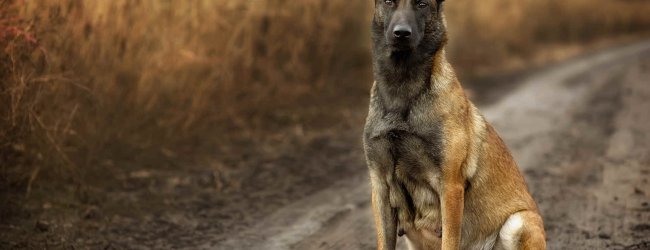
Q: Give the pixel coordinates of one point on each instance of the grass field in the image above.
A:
(143, 82)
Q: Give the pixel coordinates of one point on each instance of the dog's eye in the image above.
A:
(422, 5)
(390, 3)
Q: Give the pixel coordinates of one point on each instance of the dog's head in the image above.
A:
(408, 25)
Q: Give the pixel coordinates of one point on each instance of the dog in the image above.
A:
(440, 175)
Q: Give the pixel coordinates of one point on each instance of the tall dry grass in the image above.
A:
(496, 35)
(88, 83)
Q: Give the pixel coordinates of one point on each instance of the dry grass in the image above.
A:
(96, 82)
(496, 35)
(100, 81)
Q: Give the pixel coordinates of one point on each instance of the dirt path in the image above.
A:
(580, 132)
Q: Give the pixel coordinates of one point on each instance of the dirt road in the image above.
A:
(580, 132)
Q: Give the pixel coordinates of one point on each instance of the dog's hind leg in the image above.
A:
(522, 230)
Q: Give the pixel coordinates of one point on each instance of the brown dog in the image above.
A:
(440, 174)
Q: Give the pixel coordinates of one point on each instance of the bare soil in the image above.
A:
(580, 131)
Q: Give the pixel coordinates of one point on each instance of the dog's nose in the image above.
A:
(402, 31)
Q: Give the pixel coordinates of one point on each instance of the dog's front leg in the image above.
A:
(385, 215)
(452, 215)
(453, 190)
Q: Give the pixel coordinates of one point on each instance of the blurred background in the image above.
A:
(154, 118)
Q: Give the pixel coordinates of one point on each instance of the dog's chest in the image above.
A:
(410, 152)
(412, 144)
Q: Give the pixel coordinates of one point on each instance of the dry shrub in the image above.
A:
(20, 57)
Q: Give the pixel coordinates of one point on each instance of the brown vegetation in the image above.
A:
(99, 82)
(498, 35)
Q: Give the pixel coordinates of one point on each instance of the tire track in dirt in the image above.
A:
(601, 169)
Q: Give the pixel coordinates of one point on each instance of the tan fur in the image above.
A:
(473, 154)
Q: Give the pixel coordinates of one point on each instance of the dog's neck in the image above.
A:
(403, 78)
